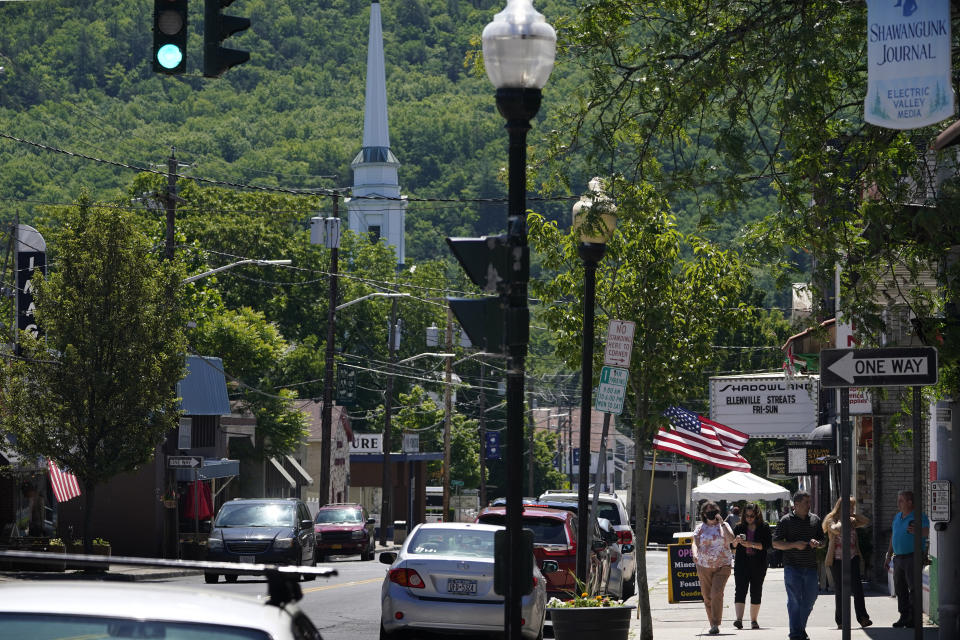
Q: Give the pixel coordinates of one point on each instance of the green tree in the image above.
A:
(96, 393)
(253, 353)
(677, 288)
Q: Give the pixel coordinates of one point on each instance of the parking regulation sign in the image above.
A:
(612, 390)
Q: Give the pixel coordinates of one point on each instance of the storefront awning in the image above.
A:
(303, 472)
(283, 472)
(211, 468)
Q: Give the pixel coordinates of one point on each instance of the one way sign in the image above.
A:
(895, 367)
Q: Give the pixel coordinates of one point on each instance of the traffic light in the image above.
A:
(216, 28)
(490, 323)
(170, 36)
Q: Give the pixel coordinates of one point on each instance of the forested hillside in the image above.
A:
(77, 77)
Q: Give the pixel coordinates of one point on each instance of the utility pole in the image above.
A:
(447, 410)
(326, 419)
(483, 438)
(171, 202)
(172, 443)
(386, 503)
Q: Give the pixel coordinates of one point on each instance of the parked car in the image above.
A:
(502, 502)
(555, 538)
(442, 581)
(611, 507)
(344, 528)
(264, 530)
(97, 609)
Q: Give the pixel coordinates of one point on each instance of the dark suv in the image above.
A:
(344, 528)
(263, 530)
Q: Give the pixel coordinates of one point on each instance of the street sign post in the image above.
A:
(184, 462)
(611, 390)
(893, 367)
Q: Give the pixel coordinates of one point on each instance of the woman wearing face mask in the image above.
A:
(711, 553)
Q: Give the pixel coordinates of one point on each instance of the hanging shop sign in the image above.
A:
(908, 63)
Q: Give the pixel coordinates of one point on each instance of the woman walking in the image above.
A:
(754, 538)
(711, 553)
(832, 527)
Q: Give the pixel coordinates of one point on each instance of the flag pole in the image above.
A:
(653, 470)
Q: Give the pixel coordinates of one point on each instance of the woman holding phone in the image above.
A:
(754, 538)
(711, 553)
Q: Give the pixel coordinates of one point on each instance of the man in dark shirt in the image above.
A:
(798, 535)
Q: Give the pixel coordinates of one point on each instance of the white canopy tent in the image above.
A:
(740, 485)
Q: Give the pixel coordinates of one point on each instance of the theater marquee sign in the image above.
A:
(766, 406)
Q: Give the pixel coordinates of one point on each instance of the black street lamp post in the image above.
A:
(593, 218)
(518, 53)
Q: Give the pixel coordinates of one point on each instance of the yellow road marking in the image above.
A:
(342, 584)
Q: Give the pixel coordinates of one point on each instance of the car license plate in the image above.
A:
(336, 546)
(248, 559)
(465, 587)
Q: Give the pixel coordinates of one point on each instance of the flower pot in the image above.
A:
(170, 503)
(95, 550)
(578, 623)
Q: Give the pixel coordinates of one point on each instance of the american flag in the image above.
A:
(701, 439)
(64, 484)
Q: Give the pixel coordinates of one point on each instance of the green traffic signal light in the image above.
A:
(169, 56)
(170, 36)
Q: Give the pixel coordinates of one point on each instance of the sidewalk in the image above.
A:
(689, 620)
(125, 573)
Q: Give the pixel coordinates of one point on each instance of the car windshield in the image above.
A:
(327, 516)
(256, 515)
(47, 626)
(460, 542)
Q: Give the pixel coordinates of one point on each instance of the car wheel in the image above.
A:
(211, 578)
(369, 553)
(230, 577)
(629, 587)
(311, 576)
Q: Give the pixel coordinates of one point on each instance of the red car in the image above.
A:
(555, 538)
(344, 528)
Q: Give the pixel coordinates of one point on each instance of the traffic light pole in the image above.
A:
(326, 416)
(517, 106)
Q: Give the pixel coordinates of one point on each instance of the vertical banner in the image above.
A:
(31, 257)
(908, 63)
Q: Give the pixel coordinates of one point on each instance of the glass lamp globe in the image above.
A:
(595, 215)
(519, 47)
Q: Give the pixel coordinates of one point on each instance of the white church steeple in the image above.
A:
(375, 167)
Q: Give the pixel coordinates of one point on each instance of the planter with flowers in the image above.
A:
(98, 547)
(586, 616)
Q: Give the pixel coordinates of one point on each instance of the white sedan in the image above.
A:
(78, 609)
(442, 581)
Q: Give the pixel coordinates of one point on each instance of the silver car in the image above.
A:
(442, 580)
